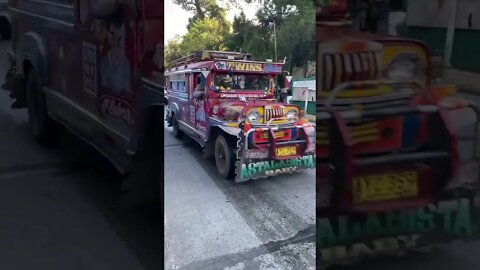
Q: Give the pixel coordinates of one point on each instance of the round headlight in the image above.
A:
(404, 67)
(254, 116)
(404, 70)
(292, 114)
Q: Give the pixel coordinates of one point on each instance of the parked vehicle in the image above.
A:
(98, 71)
(387, 153)
(225, 101)
(5, 27)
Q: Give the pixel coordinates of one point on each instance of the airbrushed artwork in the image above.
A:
(233, 115)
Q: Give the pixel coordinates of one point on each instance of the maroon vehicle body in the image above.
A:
(100, 77)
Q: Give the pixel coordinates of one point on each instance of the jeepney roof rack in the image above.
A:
(206, 55)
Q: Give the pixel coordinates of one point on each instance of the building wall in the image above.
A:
(428, 21)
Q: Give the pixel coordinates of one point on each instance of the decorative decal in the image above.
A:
(270, 68)
(89, 60)
(117, 108)
(242, 66)
(239, 95)
(192, 113)
(275, 167)
(221, 65)
(115, 66)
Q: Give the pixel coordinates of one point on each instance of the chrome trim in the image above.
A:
(191, 129)
(42, 17)
(51, 3)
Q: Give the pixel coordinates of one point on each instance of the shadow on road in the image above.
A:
(100, 184)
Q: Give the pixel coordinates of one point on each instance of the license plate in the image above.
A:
(385, 187)
(286, 151)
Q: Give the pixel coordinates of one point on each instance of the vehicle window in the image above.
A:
(177, 82)
(242, 81)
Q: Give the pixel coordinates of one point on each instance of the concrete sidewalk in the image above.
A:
(466, 81)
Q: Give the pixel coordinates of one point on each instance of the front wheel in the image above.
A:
(176, 127)
(225, 157)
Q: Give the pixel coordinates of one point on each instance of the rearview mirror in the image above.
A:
(102, 9)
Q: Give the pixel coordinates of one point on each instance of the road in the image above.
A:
(212, 223)
(59, 206)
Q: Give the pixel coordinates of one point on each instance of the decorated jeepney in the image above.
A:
(392, 175)
(225, 101)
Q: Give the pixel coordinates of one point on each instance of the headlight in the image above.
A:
(254, 116)
(404, 67)
(292, 114)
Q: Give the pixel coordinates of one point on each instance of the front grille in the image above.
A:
(278, 134)
(274, 113)
(338, 68)
(361, 133)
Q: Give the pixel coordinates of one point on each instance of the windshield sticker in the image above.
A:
(270, 68)
(236, 95)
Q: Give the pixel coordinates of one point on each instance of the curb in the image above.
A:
(469, 88)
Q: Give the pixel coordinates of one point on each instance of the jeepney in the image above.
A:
(95, 68)
(225, 101)
(390, 177)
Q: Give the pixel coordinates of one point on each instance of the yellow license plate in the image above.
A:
(286, 151)
(385, 187)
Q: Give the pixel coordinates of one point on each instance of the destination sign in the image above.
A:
(249, 67)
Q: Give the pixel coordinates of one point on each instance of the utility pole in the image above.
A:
(275, 39)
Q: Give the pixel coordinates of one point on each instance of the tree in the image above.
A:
(203, 9)
(204, 34)
(243, 32)
(173, 50)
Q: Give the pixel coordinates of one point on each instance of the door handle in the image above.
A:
(470, 20)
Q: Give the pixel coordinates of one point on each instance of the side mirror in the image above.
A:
(215, 89)
(199, 94)
(102, 9)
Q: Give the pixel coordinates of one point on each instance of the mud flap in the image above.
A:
(255, 164)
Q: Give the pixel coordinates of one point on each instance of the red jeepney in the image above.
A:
(225, 101)
(96, 68)
(387, 152)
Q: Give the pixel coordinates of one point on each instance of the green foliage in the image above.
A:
(173, 50)
(209, 29)
(204, 34)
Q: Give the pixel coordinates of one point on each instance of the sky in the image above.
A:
(176, 19)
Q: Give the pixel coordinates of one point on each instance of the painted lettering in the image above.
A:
(275, 167)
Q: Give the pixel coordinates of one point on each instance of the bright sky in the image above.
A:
(176, 19)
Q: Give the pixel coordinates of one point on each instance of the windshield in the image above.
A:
(228, 82)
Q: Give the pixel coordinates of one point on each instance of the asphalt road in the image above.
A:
(59, 206)
(212, 223)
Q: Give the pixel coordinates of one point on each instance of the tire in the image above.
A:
(143, 187)
(44, 129)
(176, 127)
(224, 157)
